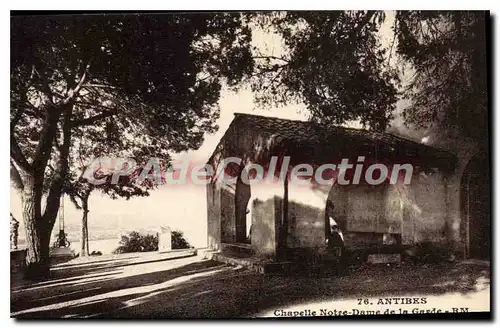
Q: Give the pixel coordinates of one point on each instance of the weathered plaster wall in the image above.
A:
(242, 197)
(456, 223)
(392, 222)
(264, 233)
(306, 216)
(227, 214)
(428, 197)
(465, 149)
(418, 212)
(359, 210)
(213, 215)
(306, 225)
(365, 208)
(267, 212)
(239, 141)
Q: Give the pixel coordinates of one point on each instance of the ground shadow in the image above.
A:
(208, 289)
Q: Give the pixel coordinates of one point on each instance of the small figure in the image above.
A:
(335, 238)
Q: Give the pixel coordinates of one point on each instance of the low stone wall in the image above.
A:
(17, 262)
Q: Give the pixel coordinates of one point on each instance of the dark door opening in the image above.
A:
(475, 205)
(242, 212)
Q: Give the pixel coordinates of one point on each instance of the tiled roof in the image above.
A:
(303, 132)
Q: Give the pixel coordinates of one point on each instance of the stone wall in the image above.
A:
(227, 214)
(465, 149)
(456, 226)
(17, 263)
(213, 215)
(415, 212)
(428, 197)
(267, 215)
(265, 227)
(306, 216)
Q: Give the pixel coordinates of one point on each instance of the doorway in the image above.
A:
(242, 212)
(475, 207)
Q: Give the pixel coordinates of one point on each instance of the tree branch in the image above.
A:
(89, 104)
(17, 154)
(104, 86)
(45, 143)
(17, 117)
(45, 85)
(271, 57)
(56, 187)
(76, 90)
(16, 176)
(91, 120)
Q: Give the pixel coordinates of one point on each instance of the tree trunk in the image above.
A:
(37, 234)
(85, 236)
(85, 229)
(39, 226)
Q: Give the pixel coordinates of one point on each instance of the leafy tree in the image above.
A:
(80, 190)
(129, 85)
(447, 50)
(333, 62)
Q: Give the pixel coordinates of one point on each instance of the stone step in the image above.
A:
(253, 263)
(238, 249)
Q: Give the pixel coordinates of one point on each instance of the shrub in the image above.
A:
(136, 242)
(178, 240)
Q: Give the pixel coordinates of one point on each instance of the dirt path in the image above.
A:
(152, 286)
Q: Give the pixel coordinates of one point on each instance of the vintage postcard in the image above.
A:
(278, 164)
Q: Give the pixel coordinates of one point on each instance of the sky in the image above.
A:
(183, 207)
